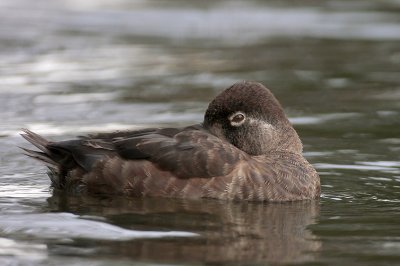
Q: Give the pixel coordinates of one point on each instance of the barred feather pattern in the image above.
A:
(276, 179)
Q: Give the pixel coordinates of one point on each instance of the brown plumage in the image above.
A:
(246, 149)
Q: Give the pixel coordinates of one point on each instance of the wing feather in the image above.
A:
(189, 153)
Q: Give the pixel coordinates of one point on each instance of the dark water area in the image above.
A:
(72, 67)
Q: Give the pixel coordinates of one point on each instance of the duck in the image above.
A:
(245, 149)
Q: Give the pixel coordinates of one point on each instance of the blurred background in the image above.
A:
(70, 67)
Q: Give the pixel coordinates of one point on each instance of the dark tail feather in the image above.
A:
(37, 140)
(41, 156)
(56, 157)
(44, 155)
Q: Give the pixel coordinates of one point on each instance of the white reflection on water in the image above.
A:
(382, 163)
(9, 247)
(23, 191)
(109, 62)
(69, 226)
(372, 167)
(244, 24)
(310, 120)
(75, 98)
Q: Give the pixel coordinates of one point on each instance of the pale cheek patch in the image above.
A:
(262, 125)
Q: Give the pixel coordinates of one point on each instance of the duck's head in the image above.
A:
(249, 116)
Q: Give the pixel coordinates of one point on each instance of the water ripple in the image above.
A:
(370, 167)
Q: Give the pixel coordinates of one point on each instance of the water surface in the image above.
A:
(69, 68)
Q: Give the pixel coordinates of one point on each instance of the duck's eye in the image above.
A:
(237, 119)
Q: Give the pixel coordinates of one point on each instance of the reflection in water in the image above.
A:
(229, 231)
(69, 226)
(10, 249)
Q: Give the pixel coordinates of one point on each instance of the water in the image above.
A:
(72, 67)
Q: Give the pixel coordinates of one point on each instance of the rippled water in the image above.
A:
(72, 67)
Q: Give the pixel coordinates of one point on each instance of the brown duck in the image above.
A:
(246, 149)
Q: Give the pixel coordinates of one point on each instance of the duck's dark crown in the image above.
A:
(266, 126)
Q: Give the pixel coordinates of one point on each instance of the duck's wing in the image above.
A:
(181, 152)
(191, 152)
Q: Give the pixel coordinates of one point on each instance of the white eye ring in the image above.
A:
(237, 119)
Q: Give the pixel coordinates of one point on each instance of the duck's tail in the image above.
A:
(44, 155)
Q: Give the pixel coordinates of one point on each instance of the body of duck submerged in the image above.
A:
(245, 149)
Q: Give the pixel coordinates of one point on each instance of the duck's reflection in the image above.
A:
(230, 231)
